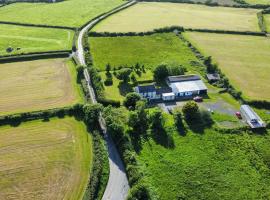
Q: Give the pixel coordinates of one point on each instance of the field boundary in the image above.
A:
(261, 21)
(38, 25)
(226, 32)
(35, 56)
(237, 5)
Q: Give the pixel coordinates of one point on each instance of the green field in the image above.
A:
(265, 2)
(65, 13)
(148, 50)
(267, 21)
(244, 60)
(30, 39)
(45, 160)
(38, 85)
(207, 166)
(148, 16)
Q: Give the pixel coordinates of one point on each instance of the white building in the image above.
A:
(252, 119)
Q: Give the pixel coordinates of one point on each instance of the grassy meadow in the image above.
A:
(244, 59)
(148, 50)
(265, 2)
(30, 39)
(208, 165)
(147, 16)
(267, 21)
(38, 85)
(45, 160)
(72, 13)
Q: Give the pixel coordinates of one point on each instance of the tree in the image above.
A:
(92, 113)
(139, 192)
(79, 70)
(133, 79)
(131, 100)
(176, 70)
(211, 68)
(108, 68)
(208, 61)
(123, 74)
(191, 110)
(160, 72)
(157, 120)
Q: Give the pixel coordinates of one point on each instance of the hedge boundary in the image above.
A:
(261, 22)
(226, 32)
(38, 25)
(166, 29)
(240, 3)
(35, 56)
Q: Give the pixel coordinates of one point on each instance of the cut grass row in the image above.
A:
(33, 39)
(73, 13)
(146, 16)
(243, 59)
(38, 85)
(45, 160)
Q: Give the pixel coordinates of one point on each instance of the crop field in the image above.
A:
(148, 50)
(66, 13)
(37, 85)
(211, 165)
(148, 16)
(45, 160)
(267, 21)
(28, 39)
(244, 60)
(265, 2)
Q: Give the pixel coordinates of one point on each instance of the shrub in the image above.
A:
(191, 110)
(107, 102)
(108, 81)
(131, 100)
(161, 72)
(139, 192)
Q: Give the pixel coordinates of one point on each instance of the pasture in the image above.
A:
(149, 51)
(38, 85)
(267, 21)
(147, 16)
(72, 13)
(29, 39)
(243, 59)
(45, 160)
(264, 2)
(211, 165)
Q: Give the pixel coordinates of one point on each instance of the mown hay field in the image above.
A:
(38, 85)
(148, 50)
(211, 165)
(45, 160)
(263, 2)
(65, 13)
(29, 39)
(243, 59)
(147, 16)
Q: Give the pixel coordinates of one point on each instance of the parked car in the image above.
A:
(238, 115)
(198, 99)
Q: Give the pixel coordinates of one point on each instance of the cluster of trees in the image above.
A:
(162, 71)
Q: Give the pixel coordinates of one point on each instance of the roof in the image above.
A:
(170, 94)
(146, 88)
(213, 77)
(250, 115)
(163, 90)
(188, 86)
(173, 79)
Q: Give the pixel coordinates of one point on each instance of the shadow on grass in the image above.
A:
(198, 125)
(125, 88)
(163, 138)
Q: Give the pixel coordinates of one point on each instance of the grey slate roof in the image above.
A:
(173, 79)
(146, 88)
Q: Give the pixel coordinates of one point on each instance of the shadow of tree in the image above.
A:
(199, 124)
(163, 138)
(125, 88)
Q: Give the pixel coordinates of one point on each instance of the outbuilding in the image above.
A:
(251, 117)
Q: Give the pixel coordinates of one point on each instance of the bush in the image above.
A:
(107, 102)
(161, 72)
(131, 100)
(108, 81)
(139, 192)
(191, 110)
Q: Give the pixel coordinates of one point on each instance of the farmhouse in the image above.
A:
(253, 120)
(179, 87)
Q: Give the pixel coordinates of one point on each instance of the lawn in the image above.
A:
(267, 2)
(267, 21)
(118, 90)
(207, 165)
(147, 16)
(147, 50)
(244, 59)
(38, 85)
(30, 39)
(45, 160)
(72, 13)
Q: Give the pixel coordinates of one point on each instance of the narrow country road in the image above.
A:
(117, 186)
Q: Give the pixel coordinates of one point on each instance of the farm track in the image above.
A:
(117, 186)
